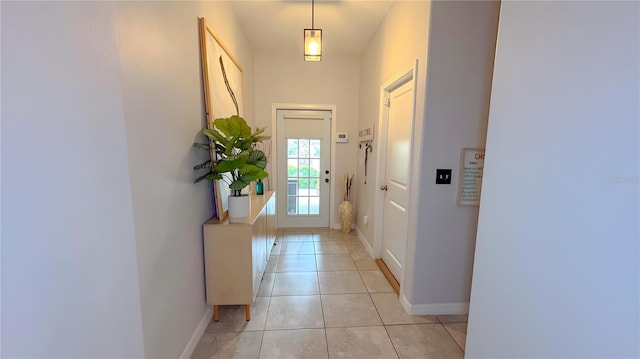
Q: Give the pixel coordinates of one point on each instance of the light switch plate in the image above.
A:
(443, 176)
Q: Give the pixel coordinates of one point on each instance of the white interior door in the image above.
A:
(397, 172)
(303, 150)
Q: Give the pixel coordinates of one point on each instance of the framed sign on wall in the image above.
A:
(470, 176)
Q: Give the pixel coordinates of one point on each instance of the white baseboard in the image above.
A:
(434, 309)
(364, 242)
(195, 338)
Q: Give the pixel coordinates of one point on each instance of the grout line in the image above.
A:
(452, 338)
(266, 317)
(290, 330)
(377, 310)
(382, 321)
(453, 322)
(391, 340)
(324, 322)
(260, 346)
(407, 324)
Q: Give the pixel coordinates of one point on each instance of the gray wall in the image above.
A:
(101, 236)
(163, 107)
(454, 43)
(556, 264)
(69, 274)
(399, 41)
(283, 77)
(461, 50)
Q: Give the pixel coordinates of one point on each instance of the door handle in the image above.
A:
(384, 188)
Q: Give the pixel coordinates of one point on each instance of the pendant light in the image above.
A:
(312, 39)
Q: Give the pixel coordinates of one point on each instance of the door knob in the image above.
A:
(326, 180)
(326, 172)
(384, 188)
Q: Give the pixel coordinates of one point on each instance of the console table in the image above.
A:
(236, 255)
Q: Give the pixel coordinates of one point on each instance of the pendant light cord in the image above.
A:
(313, 14)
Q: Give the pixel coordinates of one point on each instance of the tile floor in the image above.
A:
(323, 296)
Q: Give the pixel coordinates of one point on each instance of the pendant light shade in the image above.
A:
(313, 39)
(312, 44)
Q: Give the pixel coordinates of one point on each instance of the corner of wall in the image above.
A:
(197, 334)
(433, 309)
(365, 243)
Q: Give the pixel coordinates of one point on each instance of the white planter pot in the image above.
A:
(239, 208)
(346, 216)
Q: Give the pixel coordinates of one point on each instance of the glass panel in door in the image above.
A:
(303, 176)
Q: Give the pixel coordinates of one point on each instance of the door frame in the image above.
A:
(274, 140)
(409, 74)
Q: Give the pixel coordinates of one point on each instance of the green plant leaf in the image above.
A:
(244, 144)
(249, 169)
(209, 176)
(228, 165)
(256, 135)
(214, 135)
(223, 145)
(239, 184)
(230, 146)
(252, 174)
(258, 158)
(258, 131)
(201, 145)
(248, 178)
(234, 126)
(206, 164)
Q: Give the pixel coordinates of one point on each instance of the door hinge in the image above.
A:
(387, 102)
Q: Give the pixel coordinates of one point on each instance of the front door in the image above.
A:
(303, 167)
(397, 172)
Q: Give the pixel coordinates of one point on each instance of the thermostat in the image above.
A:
(342, 137)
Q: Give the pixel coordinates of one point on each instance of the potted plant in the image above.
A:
(235, 160)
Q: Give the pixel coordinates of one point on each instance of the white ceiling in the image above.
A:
(346, 25)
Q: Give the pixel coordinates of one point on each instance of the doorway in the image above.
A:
(303, 142)
(394, 170)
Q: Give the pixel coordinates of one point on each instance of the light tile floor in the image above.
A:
(322, 296)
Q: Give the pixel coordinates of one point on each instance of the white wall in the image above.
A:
(69, 275)
(400, 39)
(454, 43)
(284, 77)
(112, 95)
(556, 266)
(461, 50)
(163, 103)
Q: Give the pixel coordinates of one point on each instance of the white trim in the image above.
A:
(195, 338)
(366, 244)
(409, 74)
(433, 309)
(274, 141)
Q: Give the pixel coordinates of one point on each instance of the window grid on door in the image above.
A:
(303, 177)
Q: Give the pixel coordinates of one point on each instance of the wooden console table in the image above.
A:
(236, 255)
